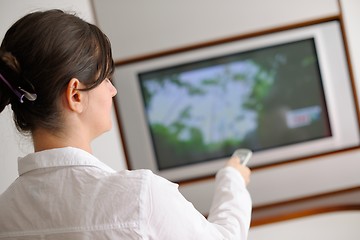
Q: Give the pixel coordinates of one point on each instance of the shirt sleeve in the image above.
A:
(231, 206)
(171, 216)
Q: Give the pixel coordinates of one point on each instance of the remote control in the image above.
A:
(243, 154)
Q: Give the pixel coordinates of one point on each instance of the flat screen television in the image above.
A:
(285, 95)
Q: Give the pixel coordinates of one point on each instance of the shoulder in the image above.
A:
(134, 174)
(147, 185)
(151, 180)
(140, 174)
(142, 178)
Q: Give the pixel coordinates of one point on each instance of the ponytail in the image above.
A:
(8, 68)
(10, 64)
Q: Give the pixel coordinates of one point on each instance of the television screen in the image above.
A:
(286, 95)
(258, 99)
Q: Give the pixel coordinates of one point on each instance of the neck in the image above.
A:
(45, 140)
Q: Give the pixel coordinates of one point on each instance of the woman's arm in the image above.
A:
(231, 206)
(171, 216)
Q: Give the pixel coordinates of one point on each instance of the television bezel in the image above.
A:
(333, 66)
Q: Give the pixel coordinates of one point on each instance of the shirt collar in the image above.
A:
(58, 157)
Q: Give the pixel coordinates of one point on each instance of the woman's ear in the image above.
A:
(74, 96)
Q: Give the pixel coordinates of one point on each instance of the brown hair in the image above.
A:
(41, 53)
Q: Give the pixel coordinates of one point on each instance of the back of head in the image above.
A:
(39, 55)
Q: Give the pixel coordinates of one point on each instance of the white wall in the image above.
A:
(107, 148)
(151, 26)
(351, 15)
(329, 226)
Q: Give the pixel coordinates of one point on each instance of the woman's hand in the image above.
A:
(243, 170)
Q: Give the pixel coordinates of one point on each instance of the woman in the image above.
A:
(55, 71)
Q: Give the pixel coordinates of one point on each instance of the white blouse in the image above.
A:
(67, 193)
